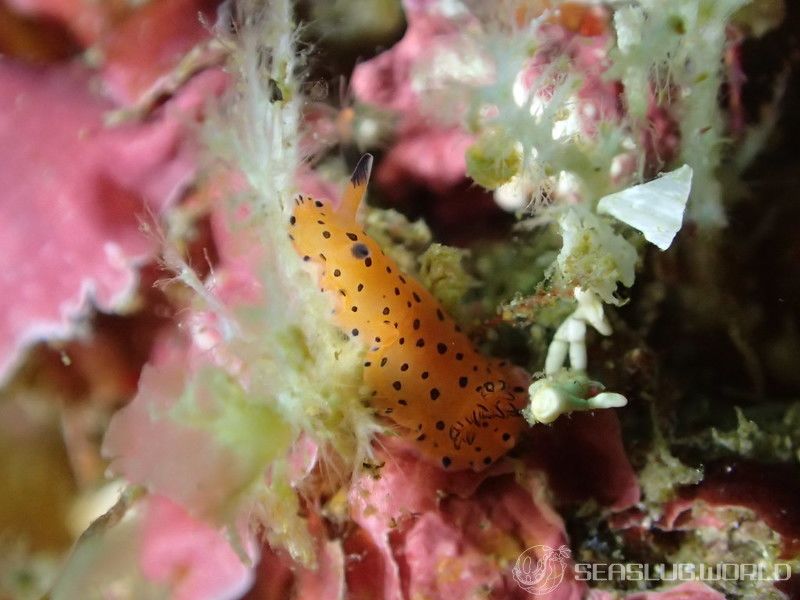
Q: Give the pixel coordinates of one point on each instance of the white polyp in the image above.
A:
(570, 337)
(608, 400)
(572, 329)
(514, 194)
(577, 356)
(556, 355)
(590, 310)
(547, 404)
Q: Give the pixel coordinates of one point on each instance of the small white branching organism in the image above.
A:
(570, 337)
(656, 209)
(562, 390)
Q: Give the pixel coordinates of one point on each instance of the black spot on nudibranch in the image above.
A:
(337, 273)
(439, 314)
(420, 343)
(441, 348)
(424, 375)
(506, 436)
(359, 250)
(354, 332)
(397, 385)
(404, 367)
(368, 262)
(351, 236)
(292, 220)
(416, 324)
(416, 297)
(462, 382)
(326, 235)
(384, 360)
(434, 393)
(318, 204)
(360, 287)
(440, 425)
(446, 461)
(386, 310)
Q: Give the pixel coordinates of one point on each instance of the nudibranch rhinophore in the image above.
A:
(421, 371)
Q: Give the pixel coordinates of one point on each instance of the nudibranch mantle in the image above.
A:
(421, 371)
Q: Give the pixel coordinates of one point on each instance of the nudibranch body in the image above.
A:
(420, 370)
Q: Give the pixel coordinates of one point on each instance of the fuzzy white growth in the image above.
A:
(593, 254)
(287, 369)
(570, 337)
(265, 112)
(655, 208)
(525, 189)
(678, 46)
(300, 358)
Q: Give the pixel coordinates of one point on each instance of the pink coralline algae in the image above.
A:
(425, 152)
(145, 50)
(450, 535)
(199, 473)
(86, 21)
(74, 191)
(691, 590)
(417, 531)
(187, 556)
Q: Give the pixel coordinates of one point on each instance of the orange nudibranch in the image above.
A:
(421, 371)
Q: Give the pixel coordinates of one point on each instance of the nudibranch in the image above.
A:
(421, 371)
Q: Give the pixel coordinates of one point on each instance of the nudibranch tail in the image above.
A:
(421, 371)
